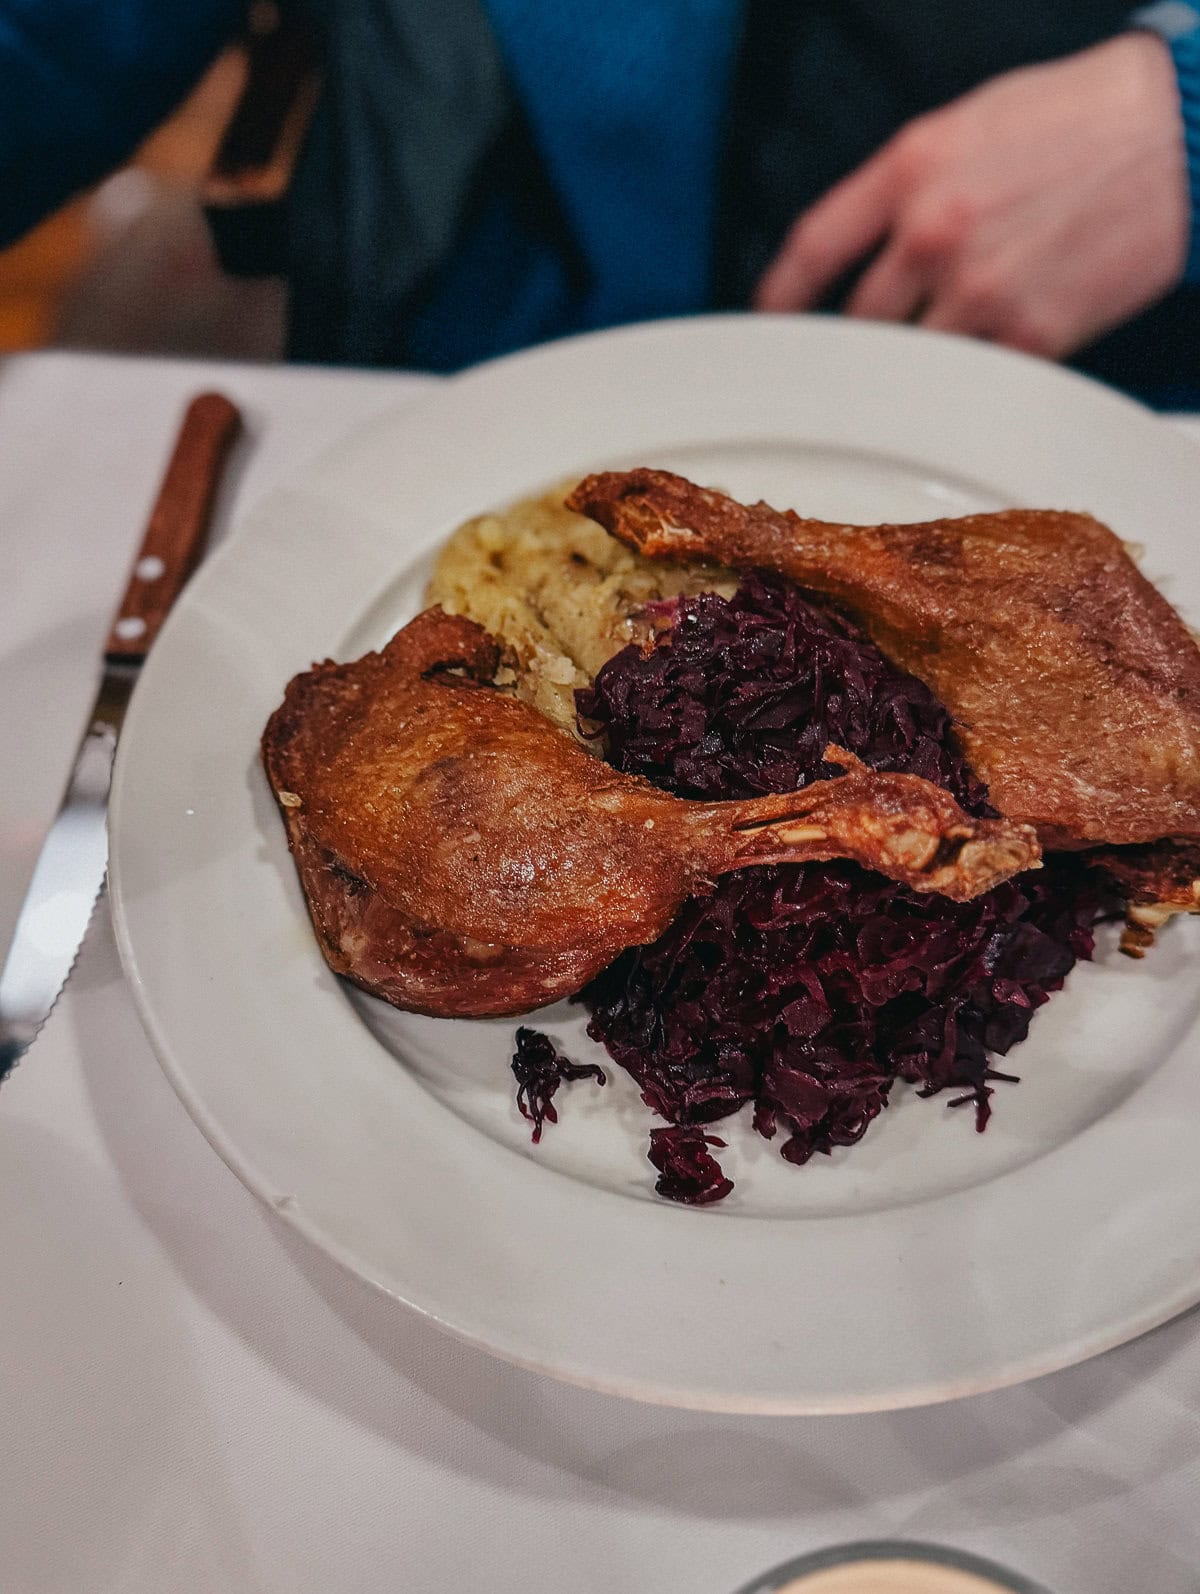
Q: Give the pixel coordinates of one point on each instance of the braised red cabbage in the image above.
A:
(810, 989)
(742, 696)
(539, 1068)
(687, 1169)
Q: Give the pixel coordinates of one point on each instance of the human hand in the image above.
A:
(1039, 210)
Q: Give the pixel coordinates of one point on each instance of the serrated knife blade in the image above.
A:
(69, 874)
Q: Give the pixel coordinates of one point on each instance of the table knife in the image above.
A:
(69, 874)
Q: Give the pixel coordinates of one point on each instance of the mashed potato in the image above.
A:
(559, 593)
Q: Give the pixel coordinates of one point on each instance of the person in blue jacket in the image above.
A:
(483, 174)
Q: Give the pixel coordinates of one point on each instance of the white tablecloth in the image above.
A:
(192, 1400)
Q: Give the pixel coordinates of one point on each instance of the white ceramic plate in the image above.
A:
(926, 1263)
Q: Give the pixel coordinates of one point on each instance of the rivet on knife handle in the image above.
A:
(177, 527)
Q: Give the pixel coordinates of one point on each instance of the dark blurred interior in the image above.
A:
(130, 265)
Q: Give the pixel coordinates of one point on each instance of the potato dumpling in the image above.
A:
(558, 592)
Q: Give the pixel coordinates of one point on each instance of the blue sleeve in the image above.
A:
(1185, 51)
(1178, 23)
(83, 81)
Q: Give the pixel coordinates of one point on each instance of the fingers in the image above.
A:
(999, 318)
(830, 237)
(951, 314)
(893, 289)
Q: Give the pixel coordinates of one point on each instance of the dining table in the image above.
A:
(193, 1398)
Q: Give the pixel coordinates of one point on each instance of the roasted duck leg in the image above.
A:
(1074, 685)
(460, 855)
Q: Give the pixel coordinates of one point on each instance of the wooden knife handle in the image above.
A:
(177, 526)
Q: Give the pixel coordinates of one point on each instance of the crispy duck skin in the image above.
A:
(1074, 685)
(1157, 881)
(462, 856)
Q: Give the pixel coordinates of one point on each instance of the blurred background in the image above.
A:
(445, 183)
(130, 265)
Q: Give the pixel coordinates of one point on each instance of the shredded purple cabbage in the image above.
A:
(687, 1170)
(743, 695)
(539, 1068)
(810, 989)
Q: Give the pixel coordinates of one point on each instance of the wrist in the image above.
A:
(1177, 24)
